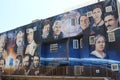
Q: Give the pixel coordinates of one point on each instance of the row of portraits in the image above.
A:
(97, 24)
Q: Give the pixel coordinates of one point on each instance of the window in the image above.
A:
(111, 36)
(81, 43)
(91, 40)
(114, 67)
(108, 9)
(78, 70)
(75, 44)
(53, 47)
(73, 22)
(89, 14)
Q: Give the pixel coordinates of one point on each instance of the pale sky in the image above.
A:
(16, 13)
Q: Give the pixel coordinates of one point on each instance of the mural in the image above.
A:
(84, 36)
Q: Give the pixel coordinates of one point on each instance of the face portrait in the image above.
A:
(2, 63)
(26, 61)
(30, 35)
(46, 29)
(100, 44)
(97, 13)
(36, 61)
(110, 22)
(57, 27)
(2, 43)
(17, 63)
(19, 38)
(84, 22)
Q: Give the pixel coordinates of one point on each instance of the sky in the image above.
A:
(16, 13)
